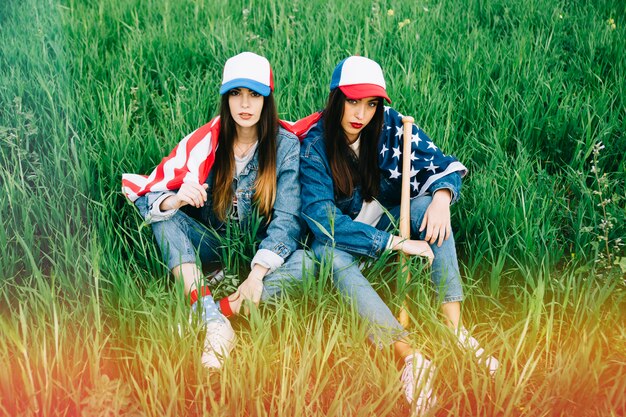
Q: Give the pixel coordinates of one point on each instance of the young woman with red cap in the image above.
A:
(350, 172)
(199, 188)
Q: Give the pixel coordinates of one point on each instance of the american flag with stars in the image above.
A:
(428, 162)
(192, 159)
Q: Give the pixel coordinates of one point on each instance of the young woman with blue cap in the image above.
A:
(350, 172)
(200, 187)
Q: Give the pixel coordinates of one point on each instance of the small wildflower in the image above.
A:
(611, 24)
(425, 9)
(560, 16)
(390, 12)
(417, 37)
(245, 13)
(597, 148)
(404, 23)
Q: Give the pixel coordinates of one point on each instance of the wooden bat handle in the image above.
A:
(405, 201)
(405, 206)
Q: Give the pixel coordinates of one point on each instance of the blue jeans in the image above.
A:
(384, 328)
(445, 274)
(181, 237)
(350, 282)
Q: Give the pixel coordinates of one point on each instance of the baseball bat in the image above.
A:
(405, 208)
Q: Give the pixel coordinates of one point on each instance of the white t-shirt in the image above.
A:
(240, 163)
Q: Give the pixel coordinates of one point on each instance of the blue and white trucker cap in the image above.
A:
(248, 70)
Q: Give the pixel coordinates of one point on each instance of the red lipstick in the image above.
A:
(356, 125)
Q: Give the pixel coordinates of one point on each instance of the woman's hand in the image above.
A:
(437, 218)
(251, 290)
(189, 193)
(413, 248)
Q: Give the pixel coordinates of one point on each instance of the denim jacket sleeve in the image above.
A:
(320, 212)
(284, 230)
(452, 182)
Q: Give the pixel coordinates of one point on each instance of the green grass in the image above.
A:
(520, 91)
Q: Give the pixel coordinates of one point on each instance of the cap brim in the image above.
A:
(359, 91)
(262, 89)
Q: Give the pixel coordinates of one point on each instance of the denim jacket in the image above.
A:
(321, 208)
(282, 235)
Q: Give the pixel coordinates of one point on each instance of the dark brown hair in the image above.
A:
(224, 166)
(348, 173)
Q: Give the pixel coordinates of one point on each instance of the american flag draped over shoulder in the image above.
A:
(302, 127)
(428, 162)
(192, 159)
(189, 161)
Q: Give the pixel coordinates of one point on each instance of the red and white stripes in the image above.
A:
(192, 159)
(189, 161)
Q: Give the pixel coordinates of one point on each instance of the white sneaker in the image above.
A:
(417, 378)
(468, 342)
(218, 342)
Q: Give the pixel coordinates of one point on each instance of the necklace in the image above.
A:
(243, 151)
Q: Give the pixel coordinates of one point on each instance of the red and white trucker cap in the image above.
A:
(248, 70)
(359, 77)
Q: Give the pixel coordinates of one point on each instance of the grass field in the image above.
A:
(529, 94)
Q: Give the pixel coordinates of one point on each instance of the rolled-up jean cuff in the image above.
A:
(174, 263)
(382, 342)
(453, 299)
(400, 337)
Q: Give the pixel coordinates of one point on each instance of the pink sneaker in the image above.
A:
(468, 342)
(417, 378)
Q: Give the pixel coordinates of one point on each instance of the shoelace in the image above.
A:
(468, 342)
(418, 376)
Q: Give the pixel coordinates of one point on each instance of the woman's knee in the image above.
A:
(173, 240)
(445, 271)
(447, 248)
(419, 205)
(142, 205)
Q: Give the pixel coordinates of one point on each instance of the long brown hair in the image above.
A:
(224, 166)
(346, 174)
